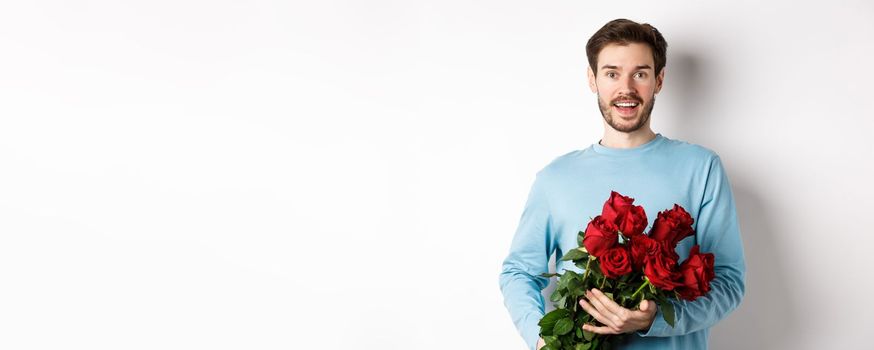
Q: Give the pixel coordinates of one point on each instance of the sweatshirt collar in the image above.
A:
(611, 151)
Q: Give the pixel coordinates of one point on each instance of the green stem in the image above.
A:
(645, 284)
(589, 260)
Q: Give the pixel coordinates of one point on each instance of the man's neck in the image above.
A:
(617, 139)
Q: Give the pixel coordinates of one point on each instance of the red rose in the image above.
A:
(600, 235)
(696, 272)
(661, 270)
(632, 222)
(616, 206)
(620, 210)
(642, 247)
(615, 262)
(669, 250)
(671, 226)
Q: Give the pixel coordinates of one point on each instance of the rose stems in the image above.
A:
(645, 283)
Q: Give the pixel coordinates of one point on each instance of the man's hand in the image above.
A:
(616, 319)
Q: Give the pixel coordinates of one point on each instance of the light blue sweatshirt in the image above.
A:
(572, 189)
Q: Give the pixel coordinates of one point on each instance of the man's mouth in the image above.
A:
(627, 108)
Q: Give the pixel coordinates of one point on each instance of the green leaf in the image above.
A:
(551, 339)
(587, 318)
(562, 282)
(563, 326)
(548, 321)
(588, 335)
(572, 274)
(626, 293)
(553, 342)
(578, 331)
(583, 346)
(556, 295)
(668, 312)
(574, 254)
(548, 275)
(574, 285)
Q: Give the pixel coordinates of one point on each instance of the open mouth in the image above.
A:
(626, 108)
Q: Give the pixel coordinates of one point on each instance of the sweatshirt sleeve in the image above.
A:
(520, 280)
(717, 232)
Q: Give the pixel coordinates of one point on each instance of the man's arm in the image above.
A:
(717, 232)
(520, 280)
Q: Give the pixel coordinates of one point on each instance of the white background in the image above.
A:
(336, 174)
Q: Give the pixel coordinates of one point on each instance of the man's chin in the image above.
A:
(625, 125)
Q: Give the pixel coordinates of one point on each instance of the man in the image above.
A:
(626, 71)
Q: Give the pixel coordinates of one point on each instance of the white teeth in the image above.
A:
(626, 104)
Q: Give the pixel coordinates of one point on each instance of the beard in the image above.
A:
(607, 113)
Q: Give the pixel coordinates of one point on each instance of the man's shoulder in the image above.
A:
(688, 150)
(561, 163)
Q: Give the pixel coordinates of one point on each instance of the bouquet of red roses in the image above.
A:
(628, 266)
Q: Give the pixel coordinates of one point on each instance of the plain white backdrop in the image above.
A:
(336, 174)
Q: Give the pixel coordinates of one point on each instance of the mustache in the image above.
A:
(634, 98)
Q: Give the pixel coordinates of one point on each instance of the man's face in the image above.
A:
(626, 84)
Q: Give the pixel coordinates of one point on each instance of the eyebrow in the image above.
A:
(645, 66)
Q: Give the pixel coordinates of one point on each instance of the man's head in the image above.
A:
(626, 70)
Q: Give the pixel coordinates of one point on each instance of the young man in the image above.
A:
(626, 71)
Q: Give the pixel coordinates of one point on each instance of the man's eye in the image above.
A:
(640, 75)
(611, 75)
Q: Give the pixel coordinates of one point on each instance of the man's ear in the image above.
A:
(660, 79)
(592, 85)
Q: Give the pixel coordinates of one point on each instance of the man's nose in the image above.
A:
(627, 85)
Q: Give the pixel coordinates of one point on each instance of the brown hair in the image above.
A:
(623, 32)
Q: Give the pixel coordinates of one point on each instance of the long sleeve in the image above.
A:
(520, 280)
(717, 232)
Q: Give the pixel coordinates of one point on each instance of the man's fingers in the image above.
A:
(608, 303)
(595, 313)
(599, 330)
(604, 315)
(597, 303)
(647, 308)
(617, 314)
(627, 320)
